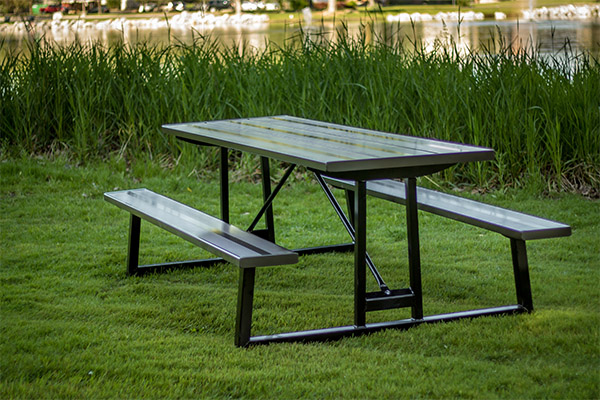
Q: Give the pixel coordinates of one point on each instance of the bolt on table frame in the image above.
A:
(341, 152)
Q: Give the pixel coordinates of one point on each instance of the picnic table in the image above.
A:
(331, 152)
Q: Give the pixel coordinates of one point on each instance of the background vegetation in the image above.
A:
(541, 114)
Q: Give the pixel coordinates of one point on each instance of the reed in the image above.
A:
(541, 114)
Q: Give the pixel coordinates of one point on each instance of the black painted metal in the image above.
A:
(516, 226)
(398, 298)
(321, 335)
(414, 254)
(163, 267)
(350, 228)
(196, 142)
(133, 248)
(261, 233)
(336, 205)
(243, 320)
(340, 248)
(266, 185)
(389, 173)
(224, 169)
(209, 262)
(350, 204)
(269, 201)
(521, 270)
(360, 253)
(358, 167)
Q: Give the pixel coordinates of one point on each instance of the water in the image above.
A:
(548, 36)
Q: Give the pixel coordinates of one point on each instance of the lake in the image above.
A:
(546, 35)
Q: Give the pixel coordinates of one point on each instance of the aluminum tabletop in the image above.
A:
(331, 149)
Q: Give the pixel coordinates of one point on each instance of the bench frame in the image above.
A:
(519, 260)
(241, 248)
(517, 239)
(245, 297)
(246, 280)
(245, 300)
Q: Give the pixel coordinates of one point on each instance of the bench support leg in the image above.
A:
(360, 253)
(521, 269)
(133, 249)
(243, 321)
(414, 255)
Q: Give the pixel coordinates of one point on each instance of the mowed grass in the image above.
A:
(74, 325)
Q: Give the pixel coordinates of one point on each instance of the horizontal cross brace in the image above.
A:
(322, 335)
(399, 298)
(154, 268)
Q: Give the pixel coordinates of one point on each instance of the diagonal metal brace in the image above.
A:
(271, 197)
(350, 228)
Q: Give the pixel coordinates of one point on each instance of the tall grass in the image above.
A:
(541, 115)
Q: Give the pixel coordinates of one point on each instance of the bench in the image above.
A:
(234, 245)
(518, 227)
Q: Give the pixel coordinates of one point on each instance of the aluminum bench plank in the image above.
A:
(509, 223)
(233, 244)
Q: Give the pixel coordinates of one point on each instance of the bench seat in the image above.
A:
(509, 223)
(239, 247)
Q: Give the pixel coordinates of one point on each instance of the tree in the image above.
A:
(16, 6)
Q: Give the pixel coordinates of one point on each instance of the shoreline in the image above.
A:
(512, 9)
(202, 20)
(61, 27)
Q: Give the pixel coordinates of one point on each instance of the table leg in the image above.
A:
(360, 253)
(350, 205)
(266, 184)
(224, 185)
(414, 255)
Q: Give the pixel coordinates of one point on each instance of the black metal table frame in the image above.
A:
(356, 227)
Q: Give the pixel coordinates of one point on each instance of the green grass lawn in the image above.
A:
(74, 325)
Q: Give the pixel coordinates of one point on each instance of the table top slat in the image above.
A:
(426, 145)
(370, 145)
(334, 145)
